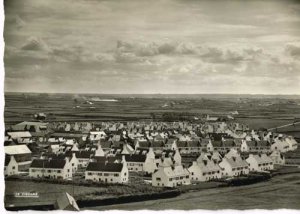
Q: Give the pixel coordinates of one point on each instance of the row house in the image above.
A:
(83, 158)
(141, 162)
(277, 158)
(280, 144)
(234, 166)
(261, 146)
(190, 147)
(107, 172)
(170, 176)
(71, 156)
(205, 170)
(260, 162)
(51, 168)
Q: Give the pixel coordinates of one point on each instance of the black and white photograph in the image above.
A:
(151, 105)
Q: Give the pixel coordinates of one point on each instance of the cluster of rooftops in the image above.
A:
(147, 147)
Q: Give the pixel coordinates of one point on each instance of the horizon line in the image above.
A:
(28, 92)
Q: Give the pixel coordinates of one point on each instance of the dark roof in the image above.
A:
(56, 156)
(181, 144)
(216, 143)
(133, 157)
(67, 135)
(104, 159)
(104, 167)
(51, 163)
(144, 144)
(141, 150)
(84, 154)
(228, 143)
(217, 136)
(157, 144)
(105, 144)
(7, 160)
(193, 144)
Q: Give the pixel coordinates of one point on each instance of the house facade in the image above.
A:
(107, 172)
(51, 168)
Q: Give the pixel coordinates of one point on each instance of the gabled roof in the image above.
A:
(104, 167)
(104, 159)
(21, 134)
(16, 149)
(133, 157)
(50, 163)
(84, 154)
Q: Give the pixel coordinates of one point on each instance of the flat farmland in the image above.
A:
(257, 111)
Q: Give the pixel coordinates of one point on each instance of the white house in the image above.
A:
(127, 149)
(234, 166)
(84, 157)
(140, 162)
(22, 155)
(51, 168)
(107, 172)
(205, 170)
(174, 154)
(99, 152)
(170, 176)
(73, 161)
(277, 158)
(11, 166)
(260, 162)
(293, 145)
(280, 144)
(97, 135)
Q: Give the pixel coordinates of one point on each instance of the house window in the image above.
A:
(49, 170)
(158, 179)
(89, 173)
(116, 174)
(13, 167)
(106, 174)
(59, 171)
(100, 174)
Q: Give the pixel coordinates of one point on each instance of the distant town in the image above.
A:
(164, 155)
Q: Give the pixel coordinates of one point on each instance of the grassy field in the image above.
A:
(280, 192)
(258, 111)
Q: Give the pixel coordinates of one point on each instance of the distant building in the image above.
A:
(31, 126)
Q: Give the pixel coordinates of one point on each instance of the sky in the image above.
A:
(162, 46)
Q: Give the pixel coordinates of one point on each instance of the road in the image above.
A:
(280, 192)
(283, 126)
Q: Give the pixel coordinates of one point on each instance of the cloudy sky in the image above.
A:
(166, 46)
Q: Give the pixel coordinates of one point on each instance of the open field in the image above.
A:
(257, 111)
(280, 192)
